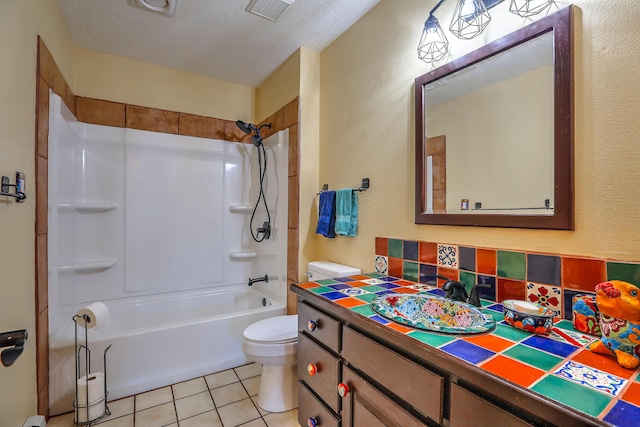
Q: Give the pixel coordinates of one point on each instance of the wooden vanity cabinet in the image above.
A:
(469, 409)
(397, 381)
(366, 405)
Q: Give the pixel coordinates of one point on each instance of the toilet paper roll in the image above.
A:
(91, 386)
(94, 412)
(96, 313)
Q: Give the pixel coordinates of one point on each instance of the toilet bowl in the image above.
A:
(273, 342)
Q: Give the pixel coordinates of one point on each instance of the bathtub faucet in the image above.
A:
(259, 279)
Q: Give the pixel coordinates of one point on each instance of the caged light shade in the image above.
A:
(470, 18)
(526, 8)
(433, 44)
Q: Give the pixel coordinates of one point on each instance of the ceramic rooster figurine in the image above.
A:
(619, 306)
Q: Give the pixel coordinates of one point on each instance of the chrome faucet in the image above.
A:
(258, 279)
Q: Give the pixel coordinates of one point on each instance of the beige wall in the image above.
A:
(309, 154)
(367, 129)
(114, 78)
(279, 88)
(20, 23)
(299, 76)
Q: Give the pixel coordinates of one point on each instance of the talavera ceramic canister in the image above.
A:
(585, 316)
(528, 316)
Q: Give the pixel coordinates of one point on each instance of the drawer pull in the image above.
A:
(311, 422)
(312, 369)
(343, 389)
(312, 325)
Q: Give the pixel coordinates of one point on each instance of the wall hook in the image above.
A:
(19, 186)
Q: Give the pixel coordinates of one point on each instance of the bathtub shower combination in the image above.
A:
(156, 226)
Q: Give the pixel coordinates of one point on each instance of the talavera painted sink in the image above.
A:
(433, 313)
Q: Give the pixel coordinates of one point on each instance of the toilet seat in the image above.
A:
(274, 330)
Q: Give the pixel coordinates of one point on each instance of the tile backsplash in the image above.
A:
(548, 279)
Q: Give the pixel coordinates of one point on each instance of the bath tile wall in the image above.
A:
(548, 279)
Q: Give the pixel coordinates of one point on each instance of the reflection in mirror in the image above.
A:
(494, 132)
(490, 126)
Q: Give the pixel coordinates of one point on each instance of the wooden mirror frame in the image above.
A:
(561, 24)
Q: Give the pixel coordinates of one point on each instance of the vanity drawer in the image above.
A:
(468, 409)
(310, 407)
(364, 405)
(319, 326)
(416, 385)
(327, 376)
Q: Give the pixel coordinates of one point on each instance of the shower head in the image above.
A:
(245, 127)
(248, 128)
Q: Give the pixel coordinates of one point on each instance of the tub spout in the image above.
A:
(258, 279)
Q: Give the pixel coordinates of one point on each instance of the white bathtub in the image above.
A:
(160, 340)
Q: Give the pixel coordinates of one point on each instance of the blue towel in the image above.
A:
(346, 212)
(327, 214)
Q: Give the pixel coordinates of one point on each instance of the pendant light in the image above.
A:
(470, 18)
(433, 44)
(526, 8)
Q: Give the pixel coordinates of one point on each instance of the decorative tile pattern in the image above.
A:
(381, 264)
(591, 377)
(373, 281)
(546, 296)
(354, 291)
(448, 256)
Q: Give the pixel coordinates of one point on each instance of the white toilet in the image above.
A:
(273, 342)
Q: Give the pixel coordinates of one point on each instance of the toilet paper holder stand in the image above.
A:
(83, 354)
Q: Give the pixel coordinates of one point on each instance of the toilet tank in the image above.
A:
(318, 270)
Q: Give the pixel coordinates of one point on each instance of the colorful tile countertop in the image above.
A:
(558, 367)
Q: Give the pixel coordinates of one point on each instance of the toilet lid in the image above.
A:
(273, 329)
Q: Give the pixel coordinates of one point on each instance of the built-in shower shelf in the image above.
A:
(242, 255)
(241, 209)
(89, 207)
(89, 266)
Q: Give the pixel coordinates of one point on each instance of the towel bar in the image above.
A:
(363, 186)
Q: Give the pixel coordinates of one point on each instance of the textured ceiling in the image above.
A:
(215, 38)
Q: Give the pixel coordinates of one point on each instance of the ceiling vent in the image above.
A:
(269, 9)
(163, 7)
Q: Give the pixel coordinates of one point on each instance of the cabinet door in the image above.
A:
(419, 387)
(364, 405)
(309, 407)
(469, 409)
(324, 379)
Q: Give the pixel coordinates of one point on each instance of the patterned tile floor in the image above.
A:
(558, 366)
(223, 399)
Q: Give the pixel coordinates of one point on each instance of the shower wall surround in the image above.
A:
(136, 213)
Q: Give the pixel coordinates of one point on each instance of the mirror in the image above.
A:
(494, 132)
